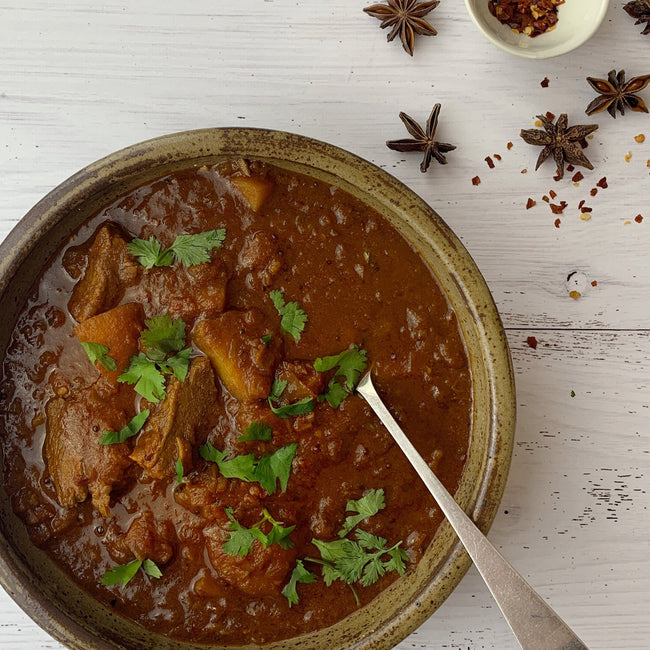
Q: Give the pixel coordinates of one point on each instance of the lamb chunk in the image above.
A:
(77, 462)
(302, 380)
(111, 269)
(255, 189)
(261, 257)
(119, 330)
(184, 292)
(148, 539)
(260, 573)
(181, 421)
(233, 343)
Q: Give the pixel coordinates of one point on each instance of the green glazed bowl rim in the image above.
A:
(26, 574)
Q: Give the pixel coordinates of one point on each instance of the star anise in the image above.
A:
(560, 141)
(406, 17)
(640, 9)
(616, 94)
(422, 140)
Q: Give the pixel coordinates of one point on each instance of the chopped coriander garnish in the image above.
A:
(124, 572)
(131, 429)
(293, 317)
(364, 560)
(147, 370)
(257, 431)
(573, 393)
(98, 352)
(189, 250)
(351, 363)
(266, 339)
(266, 470)
(299, 575)
(178, 466)
(304, 405)
(367, 506)
(241, 539)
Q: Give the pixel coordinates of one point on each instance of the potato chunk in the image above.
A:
(119, 330)
(233, 343)
(254, 189)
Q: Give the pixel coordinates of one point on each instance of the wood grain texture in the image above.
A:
(79, 80)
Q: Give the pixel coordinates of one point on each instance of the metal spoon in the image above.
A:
(535, 625)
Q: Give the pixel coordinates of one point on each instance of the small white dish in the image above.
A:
(578, 21)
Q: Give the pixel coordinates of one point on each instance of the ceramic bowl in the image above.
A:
(578, 21)
(74, 618)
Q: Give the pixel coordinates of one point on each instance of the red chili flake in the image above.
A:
(476, 180)
(583, 143)
(581, 204)
(545, 198)
(638, 218)
(594, 191)
(544, 82)
(553, 194)
(524, 171)
(557, 223)
(557, 178)
(490, 162)
(497, 156)
(586, 209)
(577, 177)
(509, 146)
(602, 182)
(550, 116)
(558, 209)
(530, 203)
(594, 283)
(532, 342)
(570, 168)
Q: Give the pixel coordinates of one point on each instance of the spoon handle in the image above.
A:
(535, 625)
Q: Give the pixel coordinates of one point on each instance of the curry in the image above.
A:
(179, 426)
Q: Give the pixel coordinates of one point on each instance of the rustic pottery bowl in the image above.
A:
(578, 21)
(76, 619)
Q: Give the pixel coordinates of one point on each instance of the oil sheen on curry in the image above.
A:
(179, 424)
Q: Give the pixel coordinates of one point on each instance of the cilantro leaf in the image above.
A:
(98, 352)
(266, 339)
(149, 381)
(369, 505)
(149, 252)
(131, 429)
(240, 541)
(257, 431)
(350, 364)
(304, 405)
(179, 364)
(151, 569)
(164, 335)
(293, 317)
(121, 573)
(266, 470)
(194, 249)
(178, 466)
(299, 575)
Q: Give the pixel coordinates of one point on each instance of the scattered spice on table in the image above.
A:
(530, 203)
(558, 208)
(593, 191)
(640, 9)
(496, 156)
(557, 223)
(532, 342)
(559, 141)
(602, 183)
(406, 17)
(573, 393)
(594, 283)
(476, 180)
(524, 171)
(552, 194)
(639, 138)
(617, 94)
(490, 162)
(628, 156)
(575, 295)
(585, 216)
(509, 146)
(577, 177)
(530, 17)
(544, 82)
(423, 139)
(638, 218)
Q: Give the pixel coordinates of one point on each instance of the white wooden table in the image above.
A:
(80, 79)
